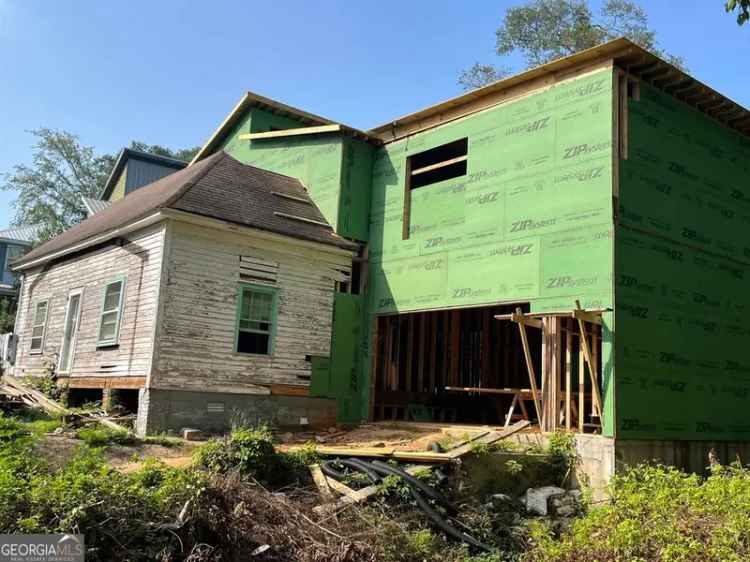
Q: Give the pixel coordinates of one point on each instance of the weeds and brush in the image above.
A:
(658, 513)
(252, 453)
(97, 436)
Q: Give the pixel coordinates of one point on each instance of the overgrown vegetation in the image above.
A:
(243, 496)
(659, 513)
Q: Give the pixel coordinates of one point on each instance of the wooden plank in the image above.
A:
(586, 316)
(291, 132)
(455, 347)
(596, 394)
(489, 439)
(422, 318)
(521, 318)
(439, 165)
(357, 496)
(432, 325)
(289, 390)
(321, 482)
(568, 376)
(406, 218)
(530, 369)
(482, 390)
(581, 388)
(409, 351)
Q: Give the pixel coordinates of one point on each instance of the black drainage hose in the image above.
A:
(359, 466)
(429, 491)
(414, 487)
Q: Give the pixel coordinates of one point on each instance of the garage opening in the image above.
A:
(472, 365)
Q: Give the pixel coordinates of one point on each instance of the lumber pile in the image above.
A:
(31, 397)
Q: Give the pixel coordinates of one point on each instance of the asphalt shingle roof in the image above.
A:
(218, 187)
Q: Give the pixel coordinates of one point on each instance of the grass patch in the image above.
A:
(98, 436)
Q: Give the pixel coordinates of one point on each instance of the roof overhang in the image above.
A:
(137, 224)
(253, 100)
(623, 53)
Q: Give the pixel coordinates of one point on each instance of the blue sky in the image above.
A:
(168, 72)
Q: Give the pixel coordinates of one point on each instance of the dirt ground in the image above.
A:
(400, 436)
(58, 449)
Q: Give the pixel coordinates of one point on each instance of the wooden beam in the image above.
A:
(439, 165)
(592, 318)
(568, 375)
(521, 318)
(321, 482)
(291, 132)
(530, 369)
(595, 393)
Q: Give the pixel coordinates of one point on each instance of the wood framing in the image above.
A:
(317, 130)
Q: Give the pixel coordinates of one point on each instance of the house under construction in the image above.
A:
(563, 246)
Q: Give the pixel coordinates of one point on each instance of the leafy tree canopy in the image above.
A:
(63, 169)
(742, 7)
(544, 30)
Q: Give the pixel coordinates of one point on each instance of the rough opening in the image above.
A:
(465, 366)
(438, 164)
(125, 399)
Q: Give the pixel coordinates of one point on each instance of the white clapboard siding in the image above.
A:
(196, 332)
(139, 260)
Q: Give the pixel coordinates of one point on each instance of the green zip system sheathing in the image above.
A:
(334, 168)
(530, 221)
(682, 270)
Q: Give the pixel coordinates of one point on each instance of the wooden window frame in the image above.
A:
(44, 325)
(73, 341)
(115, 340)
(267, 289)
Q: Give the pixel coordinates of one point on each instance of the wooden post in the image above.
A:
(422, 318)
(409, 350)
(568, 374)
(581, 388)
(530, 368)
(595, 394)
(551, 355)
(455, 347)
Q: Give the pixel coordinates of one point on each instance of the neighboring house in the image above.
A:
(609, 178)
(209, 291)
(14, 243)
(133, 169)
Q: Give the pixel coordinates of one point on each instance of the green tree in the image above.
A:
(544, 30)
(7, 314)
(742, 7)
(63, 169)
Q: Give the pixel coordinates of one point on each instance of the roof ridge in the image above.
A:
(194, 181)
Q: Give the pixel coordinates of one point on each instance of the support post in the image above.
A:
(530, 368)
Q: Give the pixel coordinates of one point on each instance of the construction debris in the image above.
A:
(32, 398)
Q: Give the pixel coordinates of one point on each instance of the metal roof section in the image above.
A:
(24, 234)
(129, 153)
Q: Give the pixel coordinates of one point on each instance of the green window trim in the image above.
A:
(37, 324)
(110, 315)
(250, 322)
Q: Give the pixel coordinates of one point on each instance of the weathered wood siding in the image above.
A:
(196, 335)
(139, 260)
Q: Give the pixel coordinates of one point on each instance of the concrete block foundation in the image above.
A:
(212, 412)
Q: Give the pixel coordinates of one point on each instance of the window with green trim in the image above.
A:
(39, 326)
(109, 321)
(256, 319)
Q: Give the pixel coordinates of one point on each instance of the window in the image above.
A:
(12, 253)
(39, 327)
(438, 164)
(109, 322)
(256, 319)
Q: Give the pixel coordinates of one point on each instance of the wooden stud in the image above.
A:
(568, 375)
(530, 368)
(581, 388)
(595, 393)
(422, 318)
(409, 351)
(407, 201)
(455, 345)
